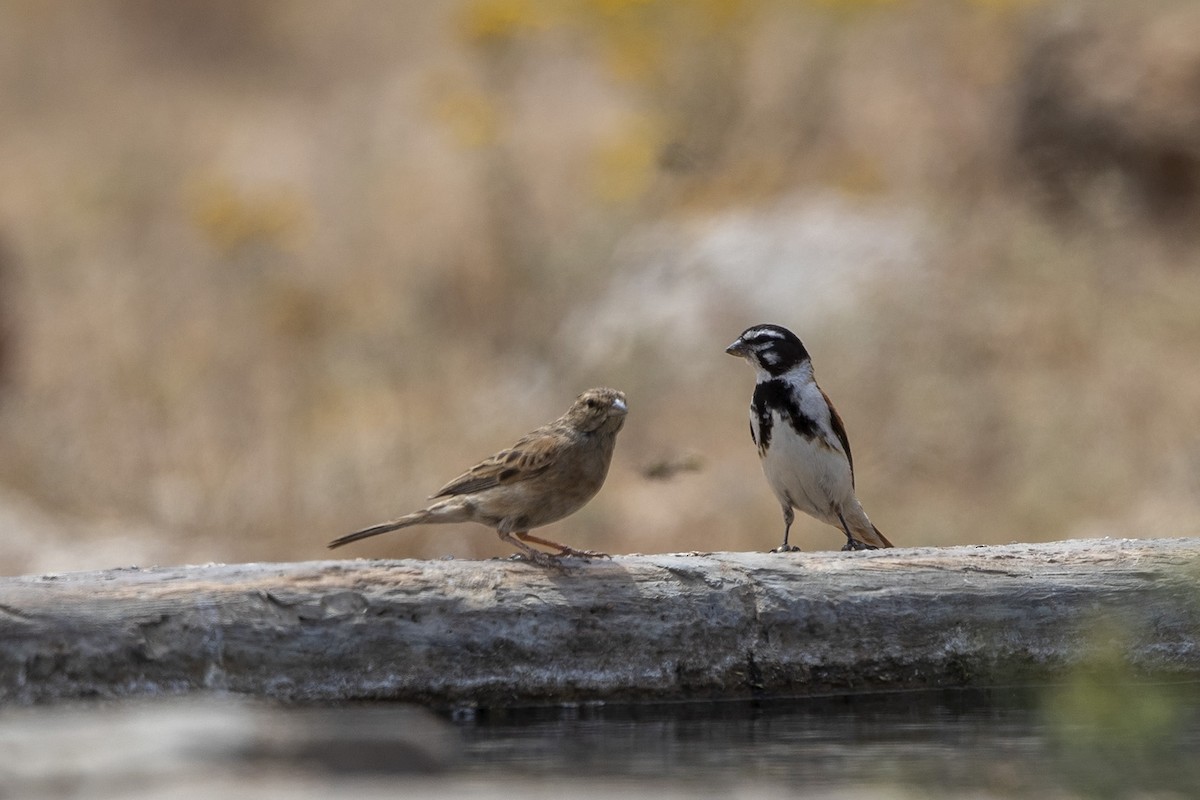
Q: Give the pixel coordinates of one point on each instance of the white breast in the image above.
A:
(813, 475)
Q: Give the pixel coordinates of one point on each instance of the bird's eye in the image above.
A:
(591, 402)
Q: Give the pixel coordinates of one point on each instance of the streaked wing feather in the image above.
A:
(532, 455)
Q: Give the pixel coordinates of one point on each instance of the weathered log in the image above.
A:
(720, 625)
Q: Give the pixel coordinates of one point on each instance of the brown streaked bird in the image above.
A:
(800, 437)
(548, 474)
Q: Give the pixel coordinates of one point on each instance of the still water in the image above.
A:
(945, 743)
(1091, 737)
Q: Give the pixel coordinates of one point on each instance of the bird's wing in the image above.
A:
(839, 428)
(532, 455)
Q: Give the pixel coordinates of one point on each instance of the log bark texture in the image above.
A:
(654, 627)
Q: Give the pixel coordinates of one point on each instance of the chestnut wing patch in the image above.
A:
(839, 429)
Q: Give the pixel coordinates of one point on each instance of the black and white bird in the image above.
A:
(801, 439)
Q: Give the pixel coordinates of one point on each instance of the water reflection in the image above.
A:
(1090, 737)
(950, 741)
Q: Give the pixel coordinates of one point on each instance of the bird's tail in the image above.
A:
(416, 518)
(855, 524)
(873, 538)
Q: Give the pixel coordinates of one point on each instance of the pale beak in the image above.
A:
(738, 349)
(619, 406)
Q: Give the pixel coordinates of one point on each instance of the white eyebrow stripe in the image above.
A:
(761, 333)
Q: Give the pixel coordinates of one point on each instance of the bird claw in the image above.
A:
(855, 544)
(571, 551)
(786, 548)
(536, 557)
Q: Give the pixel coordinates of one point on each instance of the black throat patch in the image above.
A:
(776, 396)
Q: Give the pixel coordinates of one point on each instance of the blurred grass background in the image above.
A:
(272, 272)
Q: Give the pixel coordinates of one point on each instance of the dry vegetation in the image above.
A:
(275, 271)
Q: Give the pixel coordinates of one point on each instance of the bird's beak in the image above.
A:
(738, 349)
(619, 407)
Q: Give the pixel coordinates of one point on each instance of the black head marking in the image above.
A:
(772, 347)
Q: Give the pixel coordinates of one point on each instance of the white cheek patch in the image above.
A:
(769, 357)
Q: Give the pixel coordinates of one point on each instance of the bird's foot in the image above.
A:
(571, 551)
(563, 549)
(786, 548)
(855, 544)
(536, 557)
